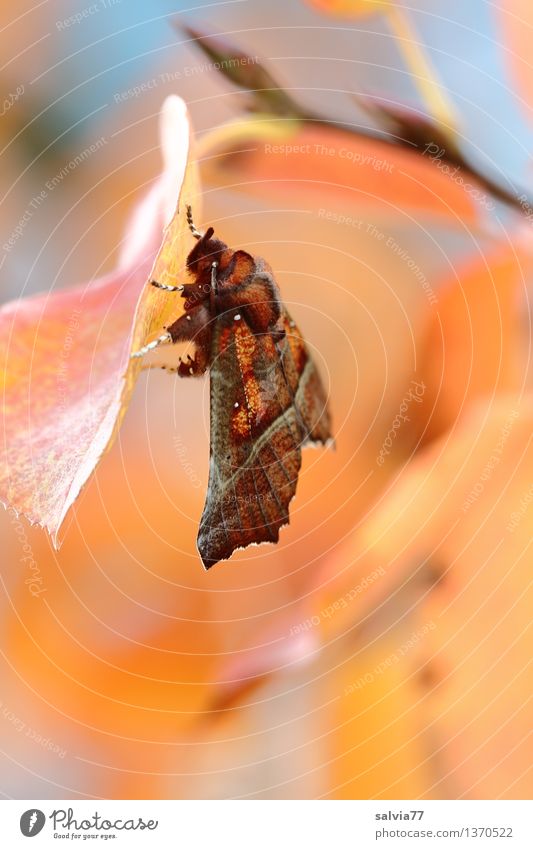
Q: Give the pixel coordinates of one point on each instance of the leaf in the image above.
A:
(246, 72)
(377, 742)
(351, 8)
(65, 357)
(319, 161)
(434, 140)
(433, 135)
(474, 347)
(427, 664)
(464, 504)
(472, 353)
(516, 20)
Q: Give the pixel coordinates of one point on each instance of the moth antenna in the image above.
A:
(161, 340)
(196, 233)
(165, 287)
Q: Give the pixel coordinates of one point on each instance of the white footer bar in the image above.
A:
(267, 824)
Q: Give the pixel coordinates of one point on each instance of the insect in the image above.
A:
(266, 396)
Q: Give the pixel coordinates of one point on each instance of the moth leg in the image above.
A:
(187, 327)
(159, 367)
(165, 339)
(165, 287)
(193, 366)
(194, 326)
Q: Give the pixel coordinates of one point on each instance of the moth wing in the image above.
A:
(267, 401)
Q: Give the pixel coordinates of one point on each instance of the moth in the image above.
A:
(266, 396)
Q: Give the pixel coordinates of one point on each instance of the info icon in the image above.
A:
(32, 822)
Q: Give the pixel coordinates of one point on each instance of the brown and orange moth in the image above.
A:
(266, 396)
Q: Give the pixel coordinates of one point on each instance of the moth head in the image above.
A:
(206, 251)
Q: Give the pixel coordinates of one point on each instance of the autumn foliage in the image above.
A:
(379, 650)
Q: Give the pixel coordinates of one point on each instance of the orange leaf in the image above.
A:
(460, 519)
(350, 8)
(516, 21)
(65, 357)
(291, 158)
(474, 348)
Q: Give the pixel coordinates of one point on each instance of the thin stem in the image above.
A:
(423, 73)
